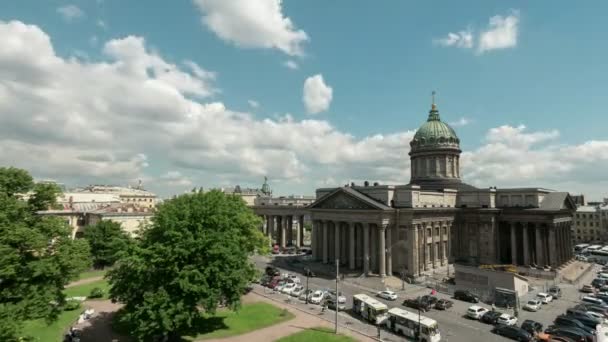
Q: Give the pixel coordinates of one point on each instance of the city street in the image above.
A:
(452, 323)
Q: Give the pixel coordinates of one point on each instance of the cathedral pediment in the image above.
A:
(347, 198)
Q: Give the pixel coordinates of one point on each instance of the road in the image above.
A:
(452, 322)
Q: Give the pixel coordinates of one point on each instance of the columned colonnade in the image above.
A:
(536, 243)
(280, 230)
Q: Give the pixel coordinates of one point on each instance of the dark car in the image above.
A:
(309, 273)
(574, 334)
(443, 304)
(594, 308)
(417, 304)
(584, 318)
(430, 299)
(597, 282)
(490, 317)
(513, 332)
(533, 327)
(555, 291)
(272, 271)
(466, 296)
(565, 321)
(331, 304)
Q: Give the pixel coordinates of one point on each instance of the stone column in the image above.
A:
(343, 244)
(526, 246)
(302, 230)
(382, 251)
(337, 240)
(269, 225)
(552, 247)
(313, 243)
(449, 242)
(351, 245)
(413, 265)
(443, 238)
(298, 236)
(366, 229)
(389, 251)
(433, 246)
(373, 246)
(324, 228)
(513, 244)
(289, 230)
(425, 246)
(283, 231)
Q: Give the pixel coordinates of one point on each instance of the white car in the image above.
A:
(293, 279)
(288, 288)
(475, 312)
(317, 297)
(332, 296)
(305, 294)
(280, 286)
(545, 298)
(506, 319)
(533, 305)
(390, 295)
(297, 291)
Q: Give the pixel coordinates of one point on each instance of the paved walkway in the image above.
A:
(84, 281)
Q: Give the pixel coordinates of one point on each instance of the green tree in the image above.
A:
(37, 258)
(107, 241)
(44, 196)
(193, 256)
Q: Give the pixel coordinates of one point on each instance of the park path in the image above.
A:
(84, 281)
(301, 321)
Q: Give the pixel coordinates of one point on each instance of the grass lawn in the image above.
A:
(317, 335)
(85, 289)
(92, 273)
(250, 317)
(42, 332)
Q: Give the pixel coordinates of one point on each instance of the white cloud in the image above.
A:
(462, 39)
(102, 24)
(461, 122)
(253, 24)
(253, 103)
(70, 12)
(501, 33)
(291, 64)
(132, 116)
(317, 95)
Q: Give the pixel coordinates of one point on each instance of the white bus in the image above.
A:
(598, 256)
(369, 308)
(410, 324)
(592, 248)
(581, 247)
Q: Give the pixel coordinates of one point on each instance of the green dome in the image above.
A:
(435, 133)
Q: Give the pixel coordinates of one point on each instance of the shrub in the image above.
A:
(96, 293)
(71, 305)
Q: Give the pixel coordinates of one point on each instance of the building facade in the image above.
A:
(590, 224)
(436, 218)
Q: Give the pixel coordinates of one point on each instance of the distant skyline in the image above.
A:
(310, 93)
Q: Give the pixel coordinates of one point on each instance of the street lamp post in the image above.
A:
(306, 293)
(337, 293)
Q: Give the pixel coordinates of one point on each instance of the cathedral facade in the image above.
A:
(436, 218)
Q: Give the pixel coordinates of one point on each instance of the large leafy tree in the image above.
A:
(107, 241)
(193, 256)
(37, 257)
(44, 196)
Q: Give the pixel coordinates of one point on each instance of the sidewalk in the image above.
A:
(84, 281)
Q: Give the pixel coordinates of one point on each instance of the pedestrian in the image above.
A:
(493, 307)
(433, 292)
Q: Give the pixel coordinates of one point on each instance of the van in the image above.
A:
(593, 300)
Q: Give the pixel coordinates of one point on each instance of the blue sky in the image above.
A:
(521, 81)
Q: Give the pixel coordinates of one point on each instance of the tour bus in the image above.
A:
(409, 324)
(592, 248)
(580, 248)
(369, 308)
(598, 256)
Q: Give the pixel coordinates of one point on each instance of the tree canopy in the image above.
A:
(37, 257)
(107, 240)
(192, 257)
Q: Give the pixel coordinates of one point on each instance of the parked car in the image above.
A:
(443, 304)
(466, 296)
(476, 312)
(598, 283)
(389, 295)
(490, 317)
(594, 300)
(532, 327)
(297, 291)
(513, 332)
(306, 293)
(545, 298)
(565, 321)
(331, 304)
(555, 292)
(594, 308)
(585, 318)
(572, 333)
(588, 289)
(292, 278)
(288, 288)
(416, 303)
(317, 297)
(272, 271)
(331, 294)
(430, 299)
(533, 305)
(506, 319)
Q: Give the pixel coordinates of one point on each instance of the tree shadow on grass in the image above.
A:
(205, 325)
(99, 329)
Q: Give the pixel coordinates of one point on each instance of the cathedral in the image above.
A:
(437, 218)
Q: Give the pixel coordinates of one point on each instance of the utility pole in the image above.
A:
(337, 293)
(306, 293)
